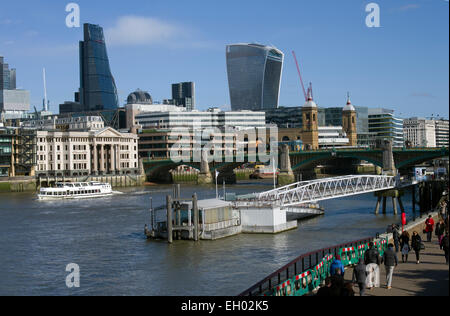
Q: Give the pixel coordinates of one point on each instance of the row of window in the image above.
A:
(70, 193)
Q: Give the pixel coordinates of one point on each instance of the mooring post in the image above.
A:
(195, 207)
(169, 220)
(384, 204)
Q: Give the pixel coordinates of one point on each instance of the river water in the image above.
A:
(105, 238)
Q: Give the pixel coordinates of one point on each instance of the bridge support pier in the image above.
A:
(286, 175)
(205, 176)
(396, 200)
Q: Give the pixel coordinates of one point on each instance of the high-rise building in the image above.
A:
(97, 86)
(183, 94)
(385, 126)
(254, 76)
(442, 132)
(420, 132)
(13, 103)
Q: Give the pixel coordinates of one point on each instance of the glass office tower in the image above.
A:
(254, 76)
(97, 87)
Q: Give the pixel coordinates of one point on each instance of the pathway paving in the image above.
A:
(429, 278)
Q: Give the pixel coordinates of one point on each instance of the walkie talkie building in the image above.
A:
(254, 76)
(97, 86)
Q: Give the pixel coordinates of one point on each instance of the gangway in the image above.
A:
(326, 189)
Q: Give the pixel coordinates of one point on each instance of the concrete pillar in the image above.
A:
(286, 175)
(394, 203)
(95, 160)
(401, 204)
(205, 176)
(377, 208)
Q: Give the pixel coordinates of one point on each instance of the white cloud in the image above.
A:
(143, 31)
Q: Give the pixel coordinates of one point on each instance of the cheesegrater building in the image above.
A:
(254, 76)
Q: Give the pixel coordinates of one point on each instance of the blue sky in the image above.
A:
(403, 65)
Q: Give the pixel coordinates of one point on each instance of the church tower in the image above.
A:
(310, 130)
(349, 123)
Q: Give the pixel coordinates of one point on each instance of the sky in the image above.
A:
(401, 65)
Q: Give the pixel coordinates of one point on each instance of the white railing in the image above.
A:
(324, 189)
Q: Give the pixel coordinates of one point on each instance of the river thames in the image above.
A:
(105, 238)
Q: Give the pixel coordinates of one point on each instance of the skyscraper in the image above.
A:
(97, 86)
(183, 94)
(254, 76)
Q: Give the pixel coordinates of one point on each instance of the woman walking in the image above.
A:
(404, 245)
(440, 230)
(416, 242)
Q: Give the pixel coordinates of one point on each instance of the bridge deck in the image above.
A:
(429, 278)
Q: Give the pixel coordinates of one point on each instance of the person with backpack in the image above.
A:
(372, 261)
(390, 262)
(416, 244)
(444, 245)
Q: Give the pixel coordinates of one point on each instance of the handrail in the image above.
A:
(259, 287)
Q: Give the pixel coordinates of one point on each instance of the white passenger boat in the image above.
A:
(78, 190)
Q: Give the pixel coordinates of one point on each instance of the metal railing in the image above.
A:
(298, 266)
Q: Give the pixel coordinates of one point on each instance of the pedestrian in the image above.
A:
(396, 236)
(429, 227)
(390, 262)
(416, 244)
(360, 276)
(325, 290)
(337, 267)
(444, 245)
(440, 230)
(404, 244)
(372, 261)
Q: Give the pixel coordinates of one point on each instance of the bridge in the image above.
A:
(304, 160)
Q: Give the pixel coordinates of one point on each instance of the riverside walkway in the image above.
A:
(429, 278)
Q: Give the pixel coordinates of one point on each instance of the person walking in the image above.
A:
(390, 262)
(439, 231)
(404, 244)
(396, 237)
(360, 276)
(444, 245)
(372, 261)
(337, 267)
(429, 227)
(416, 244)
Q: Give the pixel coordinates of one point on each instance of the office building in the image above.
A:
(14, 103)
(254, 76)
(332, 137)
(419, 132)
(183, 95)
(98, 89)
(442, 132)
(196, 119)
(88, 152)
(384, 125)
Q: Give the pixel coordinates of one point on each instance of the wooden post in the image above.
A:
(196, 220)
(169, 220)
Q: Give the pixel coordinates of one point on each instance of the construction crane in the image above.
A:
(306, 94)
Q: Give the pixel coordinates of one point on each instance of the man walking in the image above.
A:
(372, 261)
(444, 245)
(360, 276)
(390, 262)
(396, 237)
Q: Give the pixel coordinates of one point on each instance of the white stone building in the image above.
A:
(82, 153)
(420, 132)
(442, 133)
